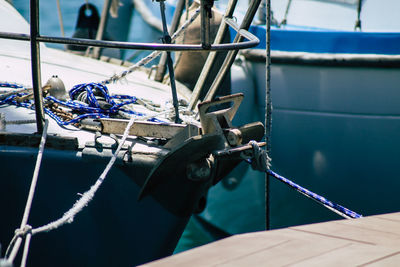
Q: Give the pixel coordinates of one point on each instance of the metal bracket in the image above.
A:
(215, 121)
(145, 128)
(98, 145)
(99, 150)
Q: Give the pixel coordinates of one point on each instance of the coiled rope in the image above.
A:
(89, 100)
(260, 162)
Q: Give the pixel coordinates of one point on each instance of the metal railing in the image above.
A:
(35, 39)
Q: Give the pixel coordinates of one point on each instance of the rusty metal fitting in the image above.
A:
(234, 137)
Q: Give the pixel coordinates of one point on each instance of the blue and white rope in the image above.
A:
(11, 100)
(260, 162)
(11, 85)
(74, 120)
(91, 109)
(342, 211)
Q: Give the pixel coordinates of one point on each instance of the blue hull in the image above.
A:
(113, 230)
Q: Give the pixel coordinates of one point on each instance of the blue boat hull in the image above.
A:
(113, 230)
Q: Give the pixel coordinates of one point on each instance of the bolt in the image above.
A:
(234, 137)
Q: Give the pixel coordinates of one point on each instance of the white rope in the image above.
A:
(24, 228)
(153, 55)
(260, 161)
(26, 231)
(68, 216)
(86, 197)
(35, 175)
(26, 249)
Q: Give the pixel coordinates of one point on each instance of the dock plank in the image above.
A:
(390, 216)
(218, 252)
(353, 232)
(380, 224)
(392, 260)
(351, 255)
(369, 241)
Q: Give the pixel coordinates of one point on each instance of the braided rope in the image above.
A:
(260, 162)
(86, 197)
(11, 85)
(19, 233)
(11, 100)
(153, 55)
(26, 249)
(340, 210)
(25, 230)
(92, 109)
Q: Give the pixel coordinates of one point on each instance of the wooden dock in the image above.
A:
(369, 241)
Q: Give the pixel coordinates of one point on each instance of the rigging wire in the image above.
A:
(167, 39)
(358, 21)
(60, 18)
(284, 20)
(268, 110)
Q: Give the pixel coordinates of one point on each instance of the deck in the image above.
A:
(369, 241)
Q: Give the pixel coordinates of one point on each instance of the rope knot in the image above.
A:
(260, 160)
(27, 229)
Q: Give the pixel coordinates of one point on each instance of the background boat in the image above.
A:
(335, 116)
